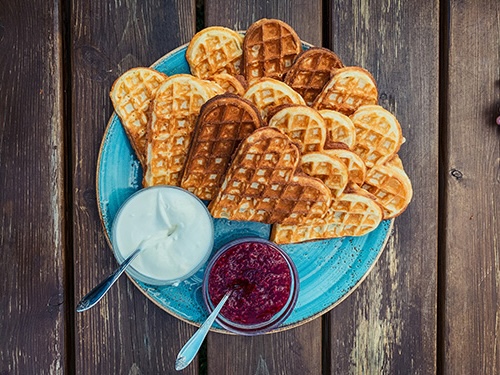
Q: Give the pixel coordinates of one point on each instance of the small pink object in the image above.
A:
(498, 120)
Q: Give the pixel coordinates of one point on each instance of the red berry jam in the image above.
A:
(261, 277)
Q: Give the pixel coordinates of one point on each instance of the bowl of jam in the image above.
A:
(264, 283)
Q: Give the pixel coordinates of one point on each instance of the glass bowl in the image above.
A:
(175, 228)
(265, 286)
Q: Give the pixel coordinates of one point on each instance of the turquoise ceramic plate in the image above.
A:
(329, 270)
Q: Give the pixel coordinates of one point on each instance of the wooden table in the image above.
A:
(431, 303)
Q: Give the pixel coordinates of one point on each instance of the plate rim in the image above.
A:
(174, 314)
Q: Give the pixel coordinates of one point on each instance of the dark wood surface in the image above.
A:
(33, 287)
(430, 304)
(471, 190)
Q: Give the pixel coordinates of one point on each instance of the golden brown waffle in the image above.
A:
(229, 83)
(349, 89)
(339, 127)
(262, 185)
(311, 71)
(395, 162)
(213, 87)
(269, 49)
(355, 165)
(351, 214)
(215, 50)
(223, 122)
(378, 134)
(176, 107)
(131, 95)
(391, 188)
(329, 169)
(267, 93)
(302, 124)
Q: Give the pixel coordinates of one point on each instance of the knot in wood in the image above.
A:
(456, 173)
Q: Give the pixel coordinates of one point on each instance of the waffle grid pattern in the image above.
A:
(260, 184)
(221, 128)
(229, 83)
(303, 125)
(311, 72)
(350, 215)
(346, 92)
(269, 50)
(331, 170)
(339, 127)
(268, 93)
(176, 108)
(377, 137)
(131, 98)
(216, 54)
(389, 188)
(355, 166)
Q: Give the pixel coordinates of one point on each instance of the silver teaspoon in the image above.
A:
(190, 349)
(95, 295)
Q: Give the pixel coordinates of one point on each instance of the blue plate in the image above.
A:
(329, 270)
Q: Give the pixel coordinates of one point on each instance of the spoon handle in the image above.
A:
(100, 290)
(190, 349)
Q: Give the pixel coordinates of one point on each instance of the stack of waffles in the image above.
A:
(269, 133)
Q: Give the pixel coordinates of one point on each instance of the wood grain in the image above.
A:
(388, 325)
(471, 182)
(32, 297)
(299, 350)
(295, 351)
(125, 333)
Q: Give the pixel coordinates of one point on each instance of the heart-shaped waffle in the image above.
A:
(311, 71)
(329, 169)
(352, 214)
(223, 122)
(395, 162)
(267, 93)
(378, 134)
(262, 185)
(339, 127)
(213, 87)
(349, 89)
(230, 83)
(131, 95)
(304, 125)
(176, 106)
(269, 49)
(215, 50)
(391, 188)
(355, 165)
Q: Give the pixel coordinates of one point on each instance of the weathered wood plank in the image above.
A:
(471, 179)
(296, 351)
(388, 325)
(125, 333)
(32, 297)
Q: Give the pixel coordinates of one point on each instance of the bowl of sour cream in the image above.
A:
(175, 229)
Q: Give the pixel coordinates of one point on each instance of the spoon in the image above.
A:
(95, 295)
(190, 349)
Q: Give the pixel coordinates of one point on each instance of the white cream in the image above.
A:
(174, 228)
